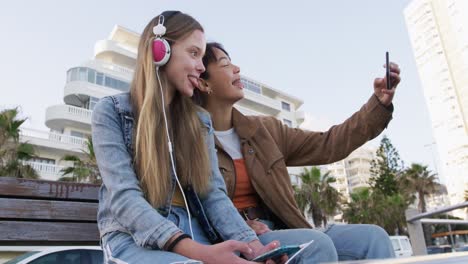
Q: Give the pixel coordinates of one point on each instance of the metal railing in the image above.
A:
(46, 171)
(58, 113)
(415, 221)
(54, 137)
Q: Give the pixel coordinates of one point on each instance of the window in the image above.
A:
(286, 106)
(72, 256)
(91, 76)
(92, 102)
(77, 134)
(99, 78)
(405, 244)
(83, 74)
(287, 122)
(251, 86)
(108, 82)
(74, 74)
(96, 256)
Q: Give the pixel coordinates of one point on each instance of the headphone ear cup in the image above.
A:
(161, 51)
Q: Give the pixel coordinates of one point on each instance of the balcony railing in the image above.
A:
(58, 115)
(54, 137)
(46, 171)
(264, 103)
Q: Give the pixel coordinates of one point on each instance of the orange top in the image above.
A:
(178, 199)
(244, 195)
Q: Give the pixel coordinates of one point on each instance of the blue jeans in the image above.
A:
(362, 241)
(120, 248)
(343, 242)
(338, 242)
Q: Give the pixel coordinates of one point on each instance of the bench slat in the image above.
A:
(47, 210)
(48, 231)
(12, 187)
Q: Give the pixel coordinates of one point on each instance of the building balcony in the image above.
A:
(50, 140)
(46, 171)
(300, 117)
(79, 92)
(60, 116)
(110, 46)
(261, 103)
(110, 68)
(247, 111)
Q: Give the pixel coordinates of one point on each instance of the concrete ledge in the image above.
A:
(447, 258)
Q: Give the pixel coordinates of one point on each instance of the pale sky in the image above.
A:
(325, 52)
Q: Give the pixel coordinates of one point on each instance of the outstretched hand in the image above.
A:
(380, 85)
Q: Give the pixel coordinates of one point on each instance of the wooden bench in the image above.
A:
(38, 212)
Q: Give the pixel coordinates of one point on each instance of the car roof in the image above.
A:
(53, 249)
(41, 248)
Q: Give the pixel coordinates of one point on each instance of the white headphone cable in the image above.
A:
(170, 154)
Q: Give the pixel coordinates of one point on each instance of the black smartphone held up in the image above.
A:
(387, 70)
(277, 252)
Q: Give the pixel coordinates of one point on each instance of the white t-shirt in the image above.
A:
(230, 142)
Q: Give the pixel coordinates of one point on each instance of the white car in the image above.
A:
(61, 255)
(401, 246)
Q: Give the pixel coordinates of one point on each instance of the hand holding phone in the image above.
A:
(279, 251)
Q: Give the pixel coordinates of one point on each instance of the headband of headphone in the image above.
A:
(161, 48)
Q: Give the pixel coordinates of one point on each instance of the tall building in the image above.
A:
(110, 72)
(354, 171)
(438, 31)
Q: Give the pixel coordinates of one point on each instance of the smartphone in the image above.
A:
(277, 252)
(387, 68)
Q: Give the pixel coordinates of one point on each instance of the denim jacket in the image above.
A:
(122, 205)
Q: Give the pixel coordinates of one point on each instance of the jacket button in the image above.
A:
(251, 151)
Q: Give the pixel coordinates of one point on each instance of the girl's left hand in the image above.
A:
(259, 227)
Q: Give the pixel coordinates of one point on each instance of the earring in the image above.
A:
(209, 91)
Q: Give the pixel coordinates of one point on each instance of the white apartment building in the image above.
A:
(437, 200)
(438, 30)
(353, 171)
(110, 72)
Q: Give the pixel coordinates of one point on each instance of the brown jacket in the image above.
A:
(268, 147)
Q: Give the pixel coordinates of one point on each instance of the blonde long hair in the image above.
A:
(152, 160)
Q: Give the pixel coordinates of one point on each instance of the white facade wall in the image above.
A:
(438, 30)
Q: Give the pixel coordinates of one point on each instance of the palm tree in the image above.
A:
(82, 170)
(316, 196)
(13, 153)
(359, 209)
(417, 179)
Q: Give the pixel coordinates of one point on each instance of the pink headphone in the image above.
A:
(161, 48)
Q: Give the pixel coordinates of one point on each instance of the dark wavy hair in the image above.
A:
(209, 57)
